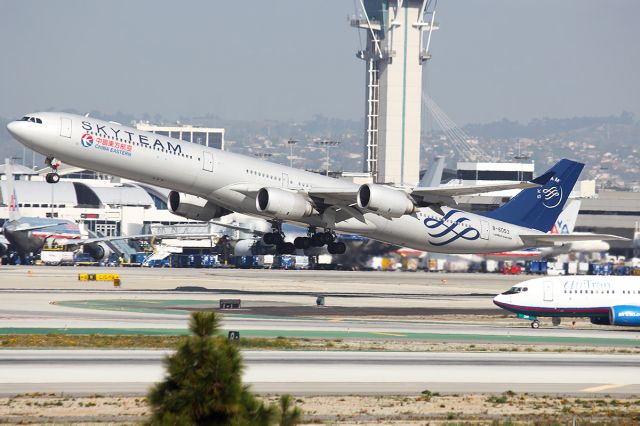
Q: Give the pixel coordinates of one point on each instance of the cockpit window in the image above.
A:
(514, 290)
(31, 119)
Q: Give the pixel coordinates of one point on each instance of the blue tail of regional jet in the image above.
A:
(538, 208)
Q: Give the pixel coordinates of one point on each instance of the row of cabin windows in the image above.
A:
(42, 205)
(166, 151)
(425, 216)
(592, 291)
(272, 177)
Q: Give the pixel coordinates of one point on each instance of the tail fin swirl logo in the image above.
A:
(552, 196)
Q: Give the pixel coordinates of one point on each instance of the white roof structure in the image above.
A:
(70, 194)
(37, 192)
(18, 169)
(123, 196)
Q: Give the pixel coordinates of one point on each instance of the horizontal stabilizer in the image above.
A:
(537, 240)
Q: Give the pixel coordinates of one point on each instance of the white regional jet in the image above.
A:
(209, 183)
(605, 300)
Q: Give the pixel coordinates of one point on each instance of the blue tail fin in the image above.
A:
(538, 208)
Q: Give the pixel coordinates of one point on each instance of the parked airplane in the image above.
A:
(605, 300)
(28, 235)
(564, 225)
(221, 181)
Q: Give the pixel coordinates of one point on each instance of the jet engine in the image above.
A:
(283, 204)
(625, 315)
(195, 208)
(600, 320)
(384, 200)
(94, 250)
(4, 249)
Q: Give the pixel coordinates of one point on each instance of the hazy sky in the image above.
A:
(291, 59)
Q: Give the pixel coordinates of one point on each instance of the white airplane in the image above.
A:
(564, 225)
(605, 300)
(209, 183)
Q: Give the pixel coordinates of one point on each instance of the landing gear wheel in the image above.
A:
(302, 243)
(52, 178)
(278, 238)
(316, 240)
(286, 248)
(336, 248)
(535, 324)
(268, 238)
(327, 237)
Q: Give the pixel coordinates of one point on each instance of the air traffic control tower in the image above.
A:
(397, 45)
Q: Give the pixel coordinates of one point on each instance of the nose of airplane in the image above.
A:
(13, 128)
(17, 129)
(497, 300)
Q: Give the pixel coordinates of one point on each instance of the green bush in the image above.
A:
(203, 384)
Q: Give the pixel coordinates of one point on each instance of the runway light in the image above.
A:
(234, 336)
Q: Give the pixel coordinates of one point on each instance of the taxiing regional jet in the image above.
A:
(208, 183)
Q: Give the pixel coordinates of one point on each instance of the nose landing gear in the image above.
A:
(52, 177)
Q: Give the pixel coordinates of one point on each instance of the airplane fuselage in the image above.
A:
(33, 240)
(219, 176)
(608, 299)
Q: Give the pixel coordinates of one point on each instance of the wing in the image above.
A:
(445, 194)
(540, 240)
(239, 228)
(26, 227)
(84, 241)
(338, 197)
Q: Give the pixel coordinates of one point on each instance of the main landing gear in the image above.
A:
(535, 324)
(320, 239)
(52, 177)
(313, 239)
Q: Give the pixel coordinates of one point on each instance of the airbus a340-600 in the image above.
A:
(208, 183)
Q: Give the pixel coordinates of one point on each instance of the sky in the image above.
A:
(291, 59)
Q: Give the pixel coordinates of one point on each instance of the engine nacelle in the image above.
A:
(194, 208)
(283, 204)
(244, 248)
(384, 200)
(626, 315)
(94, 250)
(600, 320)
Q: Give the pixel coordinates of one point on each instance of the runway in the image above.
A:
(116, 371)
(158, 301)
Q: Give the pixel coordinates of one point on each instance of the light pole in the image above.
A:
(291, 143)
(327, 144)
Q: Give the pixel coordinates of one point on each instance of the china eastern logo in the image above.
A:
(86, 140)
(552, 196)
